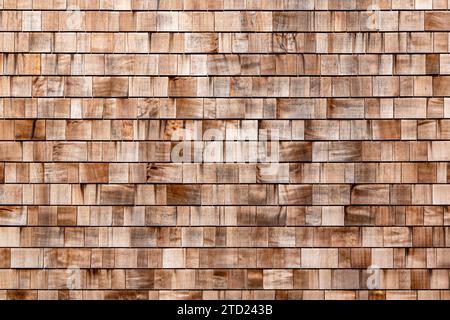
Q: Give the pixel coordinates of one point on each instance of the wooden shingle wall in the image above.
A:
(93, 204)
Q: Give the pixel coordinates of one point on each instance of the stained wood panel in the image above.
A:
(250, 149)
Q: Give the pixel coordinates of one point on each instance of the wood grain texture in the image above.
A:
(224, 149)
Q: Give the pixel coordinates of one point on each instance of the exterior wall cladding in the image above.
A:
(224, 149)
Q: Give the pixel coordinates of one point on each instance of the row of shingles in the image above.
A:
(166, 114)
(228, 216)
(225, 87)
(228, 194)
(230, 237)
(242, 132)
(211, 43)
(226, 279)
(324, 151)
(226, 294)
(225, 173)
(225, 65)
(240, 258)
(236, 21)
(211, 5)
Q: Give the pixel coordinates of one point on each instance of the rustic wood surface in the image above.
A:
(354, 94)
